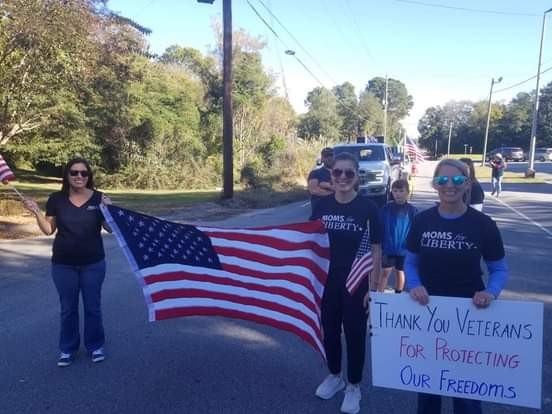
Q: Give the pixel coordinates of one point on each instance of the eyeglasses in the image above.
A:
(457, 180)
(82, 173)
(338, 172)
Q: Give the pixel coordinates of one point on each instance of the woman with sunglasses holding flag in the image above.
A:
(444, 249)
(347, 217)
(78, 265)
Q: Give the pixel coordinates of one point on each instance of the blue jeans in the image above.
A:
(70, 281)
(431, 404)
(496, 183)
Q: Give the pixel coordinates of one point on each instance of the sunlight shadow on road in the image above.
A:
(230, 329)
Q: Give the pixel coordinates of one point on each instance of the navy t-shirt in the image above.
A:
(450, 250)
(321, 174)
(476, 195)
(346, 224)
(78, 239)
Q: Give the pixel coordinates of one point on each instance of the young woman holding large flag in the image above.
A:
(349, 218)
(78, 265)
(444, 249)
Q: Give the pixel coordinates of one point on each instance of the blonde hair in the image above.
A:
(451, 162)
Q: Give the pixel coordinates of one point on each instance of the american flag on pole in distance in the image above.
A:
(362, 265)
(6, 174)
(413, 151)
(269, 275)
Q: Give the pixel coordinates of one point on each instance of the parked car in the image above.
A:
(543, 154)
(378, 168)
(508, 153)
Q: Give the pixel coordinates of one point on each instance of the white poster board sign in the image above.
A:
(449, 347)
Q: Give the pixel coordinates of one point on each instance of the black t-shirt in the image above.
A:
(346, 224)
(78, 239)
(476, 195)
(450, 250)
(321, 174)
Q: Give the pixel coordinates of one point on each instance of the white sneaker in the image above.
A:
(351, 401)
(328, 387)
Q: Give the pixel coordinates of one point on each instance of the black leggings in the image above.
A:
(340, 308)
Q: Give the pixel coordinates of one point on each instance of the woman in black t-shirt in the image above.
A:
(78, 265)
(445, 246)
(475, 195)
(347, 217)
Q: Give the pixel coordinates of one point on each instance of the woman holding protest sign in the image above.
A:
(444, 249)
(346, 216)
(78, 265)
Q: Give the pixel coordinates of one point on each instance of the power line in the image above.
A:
(294, 39)
(524, 81)
(358, 32)
(302, 63)
(467, 9)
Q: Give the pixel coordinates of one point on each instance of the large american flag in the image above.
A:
(362, 265)
(413, 151)
(269, 275)
(6, 174)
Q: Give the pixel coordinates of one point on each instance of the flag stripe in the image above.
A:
(181, 280)
(238, 314)
(167, 273)
(270, 251)
(296, 236)
(228, 262)
(270, 305)
(300, 262)
(274, 242)
(6, 174)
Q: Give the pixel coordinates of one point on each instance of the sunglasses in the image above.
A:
(457, 180)
(338, 172)
(82, 173)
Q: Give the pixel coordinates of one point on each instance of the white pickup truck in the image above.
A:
(378, 168)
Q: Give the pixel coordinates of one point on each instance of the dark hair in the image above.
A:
(401, 184)
(346, 156)
(65, 183)
(327, 151)
(469, 163)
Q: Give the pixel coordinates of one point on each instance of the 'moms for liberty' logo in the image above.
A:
(340, 222)
(446, 240)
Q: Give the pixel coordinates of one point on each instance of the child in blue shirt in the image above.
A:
(396, 217)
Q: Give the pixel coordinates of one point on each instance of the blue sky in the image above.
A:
(441, 54)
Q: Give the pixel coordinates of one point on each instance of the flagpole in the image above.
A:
(16, 191)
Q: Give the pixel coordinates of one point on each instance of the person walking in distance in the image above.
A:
(320, 180)
(453, 269)
(346, 216)
(475, 195)
(78, 265)
(498, 165)
(396, 218)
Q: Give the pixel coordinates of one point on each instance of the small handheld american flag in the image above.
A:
(362, 265)
(6, 174)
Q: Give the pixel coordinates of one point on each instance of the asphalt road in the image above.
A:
(217, 365)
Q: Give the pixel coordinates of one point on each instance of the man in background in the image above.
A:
(320, 179)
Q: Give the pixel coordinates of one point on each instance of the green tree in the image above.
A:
(544, 127)
(347, 109)
(322, 119)
(44, 47)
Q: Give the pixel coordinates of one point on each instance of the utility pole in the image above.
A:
(450, 135)
(488, 120)
(227, 126)
(530, 169)
(385, 140)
